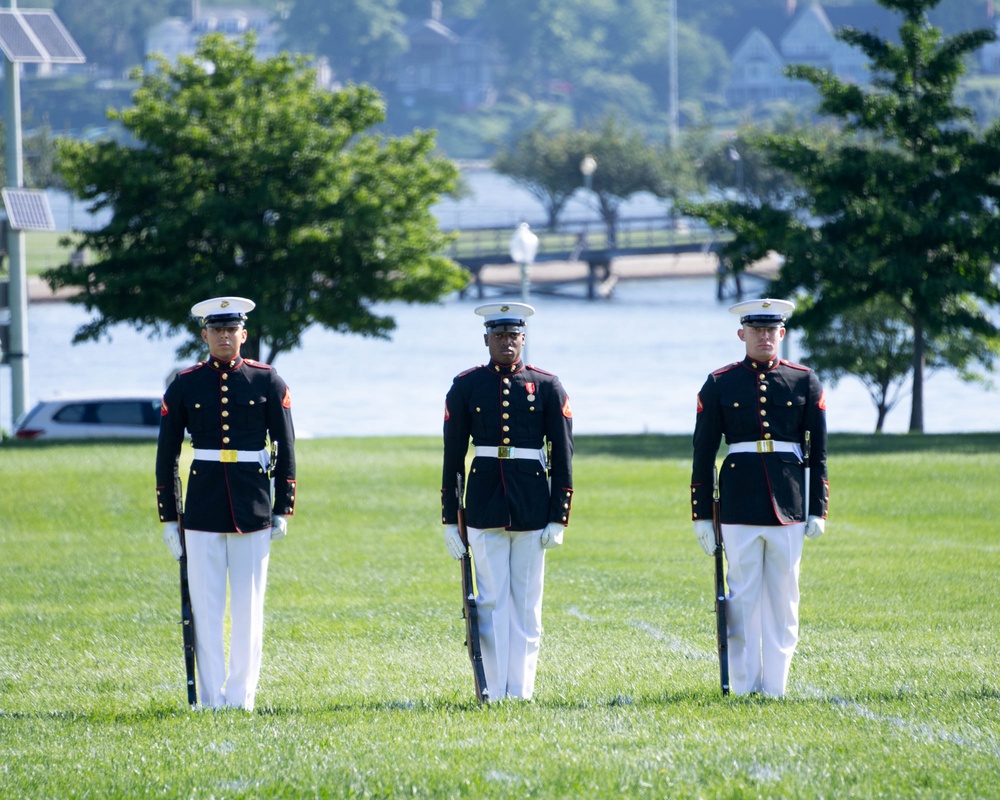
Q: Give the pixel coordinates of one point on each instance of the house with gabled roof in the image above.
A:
(762, 42)
(450, 60)
(989, 54)
(178, 36)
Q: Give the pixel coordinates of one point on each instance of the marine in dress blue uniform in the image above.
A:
(231, 407)
(763, 406)
(518, 495)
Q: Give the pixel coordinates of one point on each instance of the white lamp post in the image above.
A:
(523, 247)
(734, 155)
(587, 168)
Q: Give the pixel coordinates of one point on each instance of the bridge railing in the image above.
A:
(575, 238)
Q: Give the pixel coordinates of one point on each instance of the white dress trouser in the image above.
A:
(243, 557)
(510, 573)
(762, 606)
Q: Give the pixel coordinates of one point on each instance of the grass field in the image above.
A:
(367, 692)
(44, 250)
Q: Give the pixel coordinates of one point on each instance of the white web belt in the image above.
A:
(504, 452)
(261, 457)
(766, 446)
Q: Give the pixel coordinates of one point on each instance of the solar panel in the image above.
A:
(37, 35)
(28, 210)
(16, 40)
(54, 37)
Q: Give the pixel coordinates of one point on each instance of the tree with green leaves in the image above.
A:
(246, 179)
(870, 342)
(903, 205)
(548, 163)
(739, 165)
(603, 56)
(38, 157)
(873, 342)
(541, 161)
(626, 165)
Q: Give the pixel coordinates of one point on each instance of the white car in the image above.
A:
(132, 416)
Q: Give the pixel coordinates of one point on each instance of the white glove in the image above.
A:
(279, 527)
(816, 527)
(172, 539)
(552, 535)
(704, 532)
(453, 542)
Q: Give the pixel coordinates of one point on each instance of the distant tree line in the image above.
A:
(590, 58)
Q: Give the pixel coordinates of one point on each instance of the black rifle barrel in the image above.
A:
(721, 624)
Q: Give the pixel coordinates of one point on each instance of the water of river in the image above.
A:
(631, 364)
(491, 200)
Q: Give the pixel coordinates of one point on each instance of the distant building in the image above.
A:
(989, 54)
(762, 42)
(176, 36)
(451, 61)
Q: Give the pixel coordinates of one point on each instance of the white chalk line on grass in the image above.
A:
(674, 643)
(918, 731)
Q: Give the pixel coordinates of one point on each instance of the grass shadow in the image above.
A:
(890, 444)
(637, 446)
(679, 446)
(71, 444)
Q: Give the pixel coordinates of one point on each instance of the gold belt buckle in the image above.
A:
(765, 445)
(228, 456)
(505, 451)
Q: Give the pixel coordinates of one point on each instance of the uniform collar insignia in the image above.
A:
(507, 369)
(225, 366)
(755, 365)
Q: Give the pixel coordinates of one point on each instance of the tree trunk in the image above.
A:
(917, 406)
(882, 411)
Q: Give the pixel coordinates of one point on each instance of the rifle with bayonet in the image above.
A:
(805, 461)
(721, 625)
(187, 617)
(469, 610)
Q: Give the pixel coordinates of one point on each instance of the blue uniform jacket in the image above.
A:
(749, 401)
(519, 406)
(234, 405)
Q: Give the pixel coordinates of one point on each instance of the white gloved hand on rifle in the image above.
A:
(172, 539)
(815, 527)
(453, 541)
(552, 535)
(279, 527)
(704, 532)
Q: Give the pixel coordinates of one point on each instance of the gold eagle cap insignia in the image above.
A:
(505, 308)
(224, 304)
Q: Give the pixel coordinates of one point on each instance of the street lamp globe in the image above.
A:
(587, 168)
(523, 248)
(523, 245)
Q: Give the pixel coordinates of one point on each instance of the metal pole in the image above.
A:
(525, 296)
(673, 111)
(18, 355)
